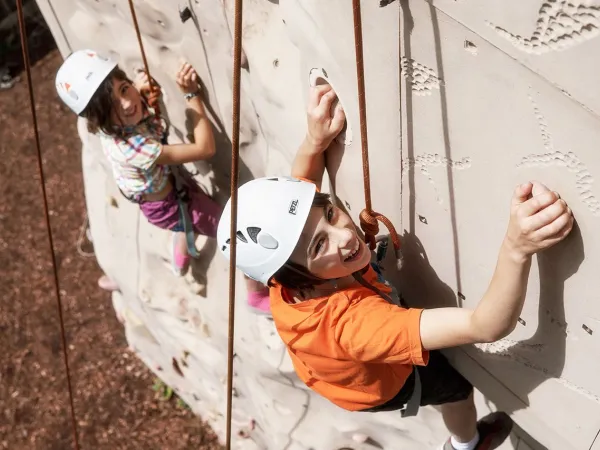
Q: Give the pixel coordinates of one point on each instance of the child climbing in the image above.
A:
(145, 166)
(348, 339)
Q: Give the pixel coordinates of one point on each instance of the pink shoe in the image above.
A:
(107, 283)
(259, 302)
(179, 262)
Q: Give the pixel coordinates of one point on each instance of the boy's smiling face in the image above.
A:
(127, 108)
(329, 246)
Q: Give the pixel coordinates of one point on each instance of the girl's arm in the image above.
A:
(203, 146)
(323, 127)
(535, 224)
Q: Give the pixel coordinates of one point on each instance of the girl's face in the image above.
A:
(127, 104)
(329, 246)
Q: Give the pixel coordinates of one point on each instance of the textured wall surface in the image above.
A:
(465, 99)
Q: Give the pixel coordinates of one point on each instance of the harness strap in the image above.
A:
(414, 402)
(412, 405)
(183, 199)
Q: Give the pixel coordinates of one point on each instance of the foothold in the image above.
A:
(470, 47)
(360, 438)
(276, 62)
(587, 329)
(423, 219)
(461, 296)
(185, 14)
(384, 3)
(347, 205)
(522, 322)
(113, 202)
(569, 160)
(422, 79)
(424, 162)
(176, 367)
(560, 25)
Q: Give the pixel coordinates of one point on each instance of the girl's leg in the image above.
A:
(181, 257)
(461, 420)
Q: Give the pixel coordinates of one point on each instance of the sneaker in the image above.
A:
(107, 283)
(493, 430)
(7, 81)
(259, 302)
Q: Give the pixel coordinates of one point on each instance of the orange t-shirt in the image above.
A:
(353, 348)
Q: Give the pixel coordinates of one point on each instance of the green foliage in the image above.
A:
(165, 393)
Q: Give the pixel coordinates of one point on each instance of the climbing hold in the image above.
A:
(112, 202)
(185, 14)
(521, 321)
(176, 367)
(470, 47)
(587, 329)
(360, 438)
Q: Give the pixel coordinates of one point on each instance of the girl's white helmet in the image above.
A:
(80, 76)
(272, 212)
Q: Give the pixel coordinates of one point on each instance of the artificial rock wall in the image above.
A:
(465, 99)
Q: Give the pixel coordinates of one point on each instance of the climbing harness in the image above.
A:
(369, 218)
(27, 62)
(152, 94)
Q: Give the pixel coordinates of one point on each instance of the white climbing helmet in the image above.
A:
(80, 75)
(272, 212)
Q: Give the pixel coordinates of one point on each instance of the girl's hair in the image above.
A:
(98, 111)
(295, 276)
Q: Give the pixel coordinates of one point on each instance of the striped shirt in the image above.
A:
(133, 156)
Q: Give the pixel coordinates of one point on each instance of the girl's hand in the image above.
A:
(142, 84)
(187, 79)
(539, 219)
(323, 126)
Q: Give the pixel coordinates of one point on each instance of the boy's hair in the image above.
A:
(295, 276)
(99, 109)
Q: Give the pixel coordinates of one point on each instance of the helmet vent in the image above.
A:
(241, 237)
(253, 232)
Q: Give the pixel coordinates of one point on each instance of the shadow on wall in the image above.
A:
(218, 169)
(426, 289)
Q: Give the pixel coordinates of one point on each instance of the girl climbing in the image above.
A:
(348, 338)
(145, 166)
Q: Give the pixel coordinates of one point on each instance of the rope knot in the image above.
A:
(369, 222)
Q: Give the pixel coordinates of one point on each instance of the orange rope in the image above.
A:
(27, 62)
(152, 93)
(235, 155)
(369, 219)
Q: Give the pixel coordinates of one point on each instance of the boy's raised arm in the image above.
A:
(323, 126)
(535, 224)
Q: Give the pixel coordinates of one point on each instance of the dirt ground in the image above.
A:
(115, 405)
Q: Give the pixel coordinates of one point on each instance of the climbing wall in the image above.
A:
(465, 99)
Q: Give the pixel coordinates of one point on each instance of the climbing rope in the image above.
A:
(369, 219)
(152, 93)
(27, 63)
(235, 156)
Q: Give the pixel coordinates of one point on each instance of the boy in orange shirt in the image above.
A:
(346, 335)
